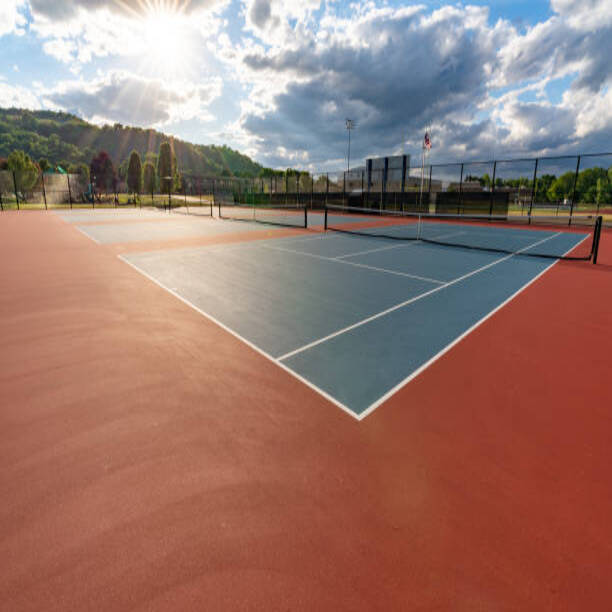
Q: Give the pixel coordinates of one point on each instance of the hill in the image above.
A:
(65, 139)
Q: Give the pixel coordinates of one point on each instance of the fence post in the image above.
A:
(69, 190)
(271, 189)
(403, 187)
(297, 187)
(311, 190)
(574, 191)
(533, 188)
(213, 196)
(42, 176)
(15, 189)
(429, 189)
(326, 188)
(383, 200)
(460, 207)
(492, 189)
(362, 202)
(344, 188)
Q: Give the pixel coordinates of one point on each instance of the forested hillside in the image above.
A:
(65, 139)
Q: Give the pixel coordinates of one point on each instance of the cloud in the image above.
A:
(12, 20)
(18, 97)
(126, 98)
(395, 70)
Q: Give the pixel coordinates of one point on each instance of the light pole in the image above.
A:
(350, 125)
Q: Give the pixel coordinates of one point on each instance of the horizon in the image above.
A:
(276, 81)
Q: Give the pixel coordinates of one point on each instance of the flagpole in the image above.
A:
(422, 174)
(426, 147)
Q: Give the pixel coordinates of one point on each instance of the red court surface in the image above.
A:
(151, 461)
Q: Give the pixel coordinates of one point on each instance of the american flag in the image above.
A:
(426, 141)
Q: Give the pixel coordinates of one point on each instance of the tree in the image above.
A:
(26, 171)
(134, 174)
(82, 173)
(165, 169)
(44, 164)
(485, 180)
(562, 188)
(103, 172)
(151, 157)
(543, 185)
(149, 178)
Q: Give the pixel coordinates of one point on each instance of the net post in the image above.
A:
(596, 238)
(305, 217)
(325, 223)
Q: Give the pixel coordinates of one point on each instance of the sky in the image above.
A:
(276, 79)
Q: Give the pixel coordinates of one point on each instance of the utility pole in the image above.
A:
(350, 125)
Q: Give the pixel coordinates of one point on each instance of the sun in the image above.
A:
(167, 41)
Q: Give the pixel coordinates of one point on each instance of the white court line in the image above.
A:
(394, 246)
(381, 400)
(85, 233)
(406, 302)
(243, 339)
(352, 263)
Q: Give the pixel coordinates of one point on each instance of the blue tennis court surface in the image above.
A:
(354, 317)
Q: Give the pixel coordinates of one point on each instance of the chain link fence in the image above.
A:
(572, 189)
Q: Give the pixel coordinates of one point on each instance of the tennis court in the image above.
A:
(351, 313)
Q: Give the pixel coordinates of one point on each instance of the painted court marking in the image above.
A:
(393, 246)
(352, 263)
(216, 321)
(405, 303)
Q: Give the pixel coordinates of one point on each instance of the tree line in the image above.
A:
(592, 185)
(158, 172)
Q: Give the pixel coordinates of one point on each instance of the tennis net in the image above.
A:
(286, 215)
(486, 233)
